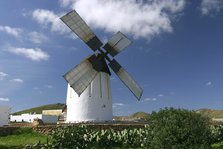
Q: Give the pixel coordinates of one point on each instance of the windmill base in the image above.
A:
(94, 104)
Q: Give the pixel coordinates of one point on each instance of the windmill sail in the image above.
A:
(126, 79)
(81, 29)
(116, 44)
(81, 76)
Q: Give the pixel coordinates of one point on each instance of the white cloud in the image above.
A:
(21, 34)
(140, 18)
(116, 105)
(3, 75)
(36, 37)
(160, 95)
(119, 104)
(36, 88)
(35, 54)
(49, 86)
(50, 19)
(65, 3)
(147, 99)
(209, 6)
(4, 99)
(16, 32)
(150, 99)
(153, 98)
(208, 83)
(17, 80)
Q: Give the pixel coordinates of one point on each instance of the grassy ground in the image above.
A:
(218, 145)
(20, 138)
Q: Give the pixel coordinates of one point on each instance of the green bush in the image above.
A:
(84, 137)
(179, 129)
(168, 129)
(217, 133)
(71, 137)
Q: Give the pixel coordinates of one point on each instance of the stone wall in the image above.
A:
(4, 131)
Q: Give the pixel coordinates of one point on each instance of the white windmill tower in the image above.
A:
(89, 91)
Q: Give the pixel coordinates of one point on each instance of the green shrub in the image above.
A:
(179, 129)
(84, 137)
(168, 129)
(217, 133)
(71, 137)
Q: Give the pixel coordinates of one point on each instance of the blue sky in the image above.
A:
(176, 55)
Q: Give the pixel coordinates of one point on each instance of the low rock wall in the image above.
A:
(4, 131)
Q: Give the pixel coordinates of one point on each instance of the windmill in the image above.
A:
(89, 90)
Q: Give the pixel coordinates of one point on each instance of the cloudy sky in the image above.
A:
(176, 55)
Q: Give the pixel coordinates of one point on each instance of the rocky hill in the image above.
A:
(211, 113)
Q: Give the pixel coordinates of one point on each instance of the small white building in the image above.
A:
(55, 112)
(4, 115)
(25, 117)
(218, 119)
(50, 116)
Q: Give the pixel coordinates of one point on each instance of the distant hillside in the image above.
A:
(211, 113)
(38, 110)
(137, 115)
(143, 115)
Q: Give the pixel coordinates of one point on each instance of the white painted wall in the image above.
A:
(4, 115)
(218, 119)
(25, 117)
(52, 112)
(94, 104)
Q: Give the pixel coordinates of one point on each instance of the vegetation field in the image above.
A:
(20, 138)
(168, 128)
(218, 145)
